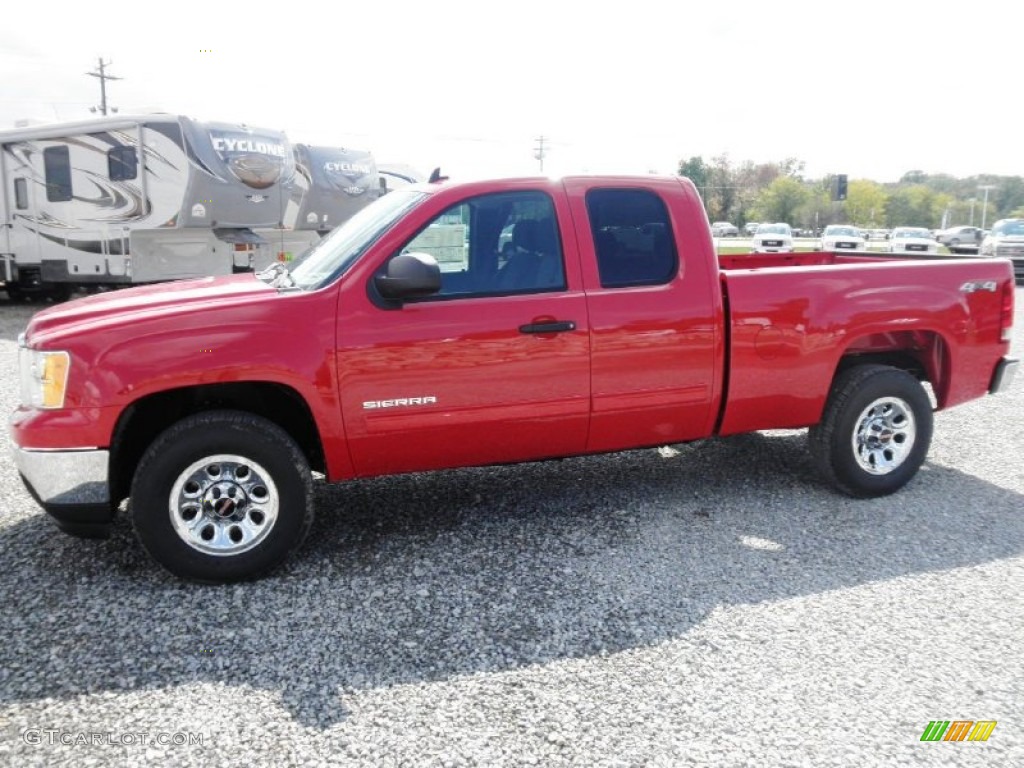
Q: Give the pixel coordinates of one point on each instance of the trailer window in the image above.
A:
(58, 174)
(122, 163)
(20, 193)
(632, 237)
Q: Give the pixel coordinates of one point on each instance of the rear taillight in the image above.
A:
(1006, 312)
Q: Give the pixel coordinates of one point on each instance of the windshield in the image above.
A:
(773, 229)
(336, 253)
(1015, 227)
(912, 232)
(843, 231)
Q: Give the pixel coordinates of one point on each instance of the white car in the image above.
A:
(912, 240)
(773, 238)
(839, 237)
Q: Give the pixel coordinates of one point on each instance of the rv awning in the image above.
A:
(239, 236)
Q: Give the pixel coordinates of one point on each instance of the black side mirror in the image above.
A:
(409, 275)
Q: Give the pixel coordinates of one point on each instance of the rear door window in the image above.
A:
(632, 237)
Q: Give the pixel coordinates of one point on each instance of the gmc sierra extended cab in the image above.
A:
(459, 324)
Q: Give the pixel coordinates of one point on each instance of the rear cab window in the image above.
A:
(633, 238)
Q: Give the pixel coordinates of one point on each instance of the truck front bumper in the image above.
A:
(72, 486)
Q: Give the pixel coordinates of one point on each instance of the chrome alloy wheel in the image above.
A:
(884, 435)
(224, 505)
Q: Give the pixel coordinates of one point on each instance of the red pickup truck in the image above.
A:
(450, 325)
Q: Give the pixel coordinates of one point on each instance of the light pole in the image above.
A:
(984, 205)
(973, 201)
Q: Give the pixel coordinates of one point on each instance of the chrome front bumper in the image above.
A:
(72, 486)
(65, 477)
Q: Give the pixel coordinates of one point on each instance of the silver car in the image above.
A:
(1006, 240)
(961, 239)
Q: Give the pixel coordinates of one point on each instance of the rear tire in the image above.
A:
(222, 496)
(875, 431)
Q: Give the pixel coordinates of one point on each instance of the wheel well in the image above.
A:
(897, 359)
(922, 354)
(143, 420)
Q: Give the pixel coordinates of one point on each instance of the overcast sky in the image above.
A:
(871, 89)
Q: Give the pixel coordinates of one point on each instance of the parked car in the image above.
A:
(878, 234)
(842, 237)
(773, 238)
(961, 239)
(912, 240)
(1006, 240)
(724, 229)
(750, 227)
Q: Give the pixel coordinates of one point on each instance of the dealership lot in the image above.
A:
(719, 606)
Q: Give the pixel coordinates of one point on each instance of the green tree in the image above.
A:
(915, 206)
(697, 171)
(781, 200)
(865, 203)
(722, 190)
(1009, 196)
(818, 211)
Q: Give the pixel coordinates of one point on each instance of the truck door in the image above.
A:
(655, 315)
(493, 368)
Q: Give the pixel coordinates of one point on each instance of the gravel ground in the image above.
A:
(718, 607)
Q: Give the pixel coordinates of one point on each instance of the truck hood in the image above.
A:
(166, 298)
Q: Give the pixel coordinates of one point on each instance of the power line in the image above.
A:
(103, 77)
(539, 152)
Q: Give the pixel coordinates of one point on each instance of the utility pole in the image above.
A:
(984, 206)
(103, 77)
(539, 152)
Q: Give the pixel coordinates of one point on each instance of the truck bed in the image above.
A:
(803, 259)
(788, 329)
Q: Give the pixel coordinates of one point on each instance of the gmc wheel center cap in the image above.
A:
(225, 500)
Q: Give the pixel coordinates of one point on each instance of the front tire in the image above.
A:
(875, 431)
(222, 496)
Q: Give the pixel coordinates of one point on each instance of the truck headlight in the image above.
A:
(44, 377)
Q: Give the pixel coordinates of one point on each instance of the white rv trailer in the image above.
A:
(140, 199)
(331, 184)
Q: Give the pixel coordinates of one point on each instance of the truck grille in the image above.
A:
(772, 243)
(917, 247)
(851, 246)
